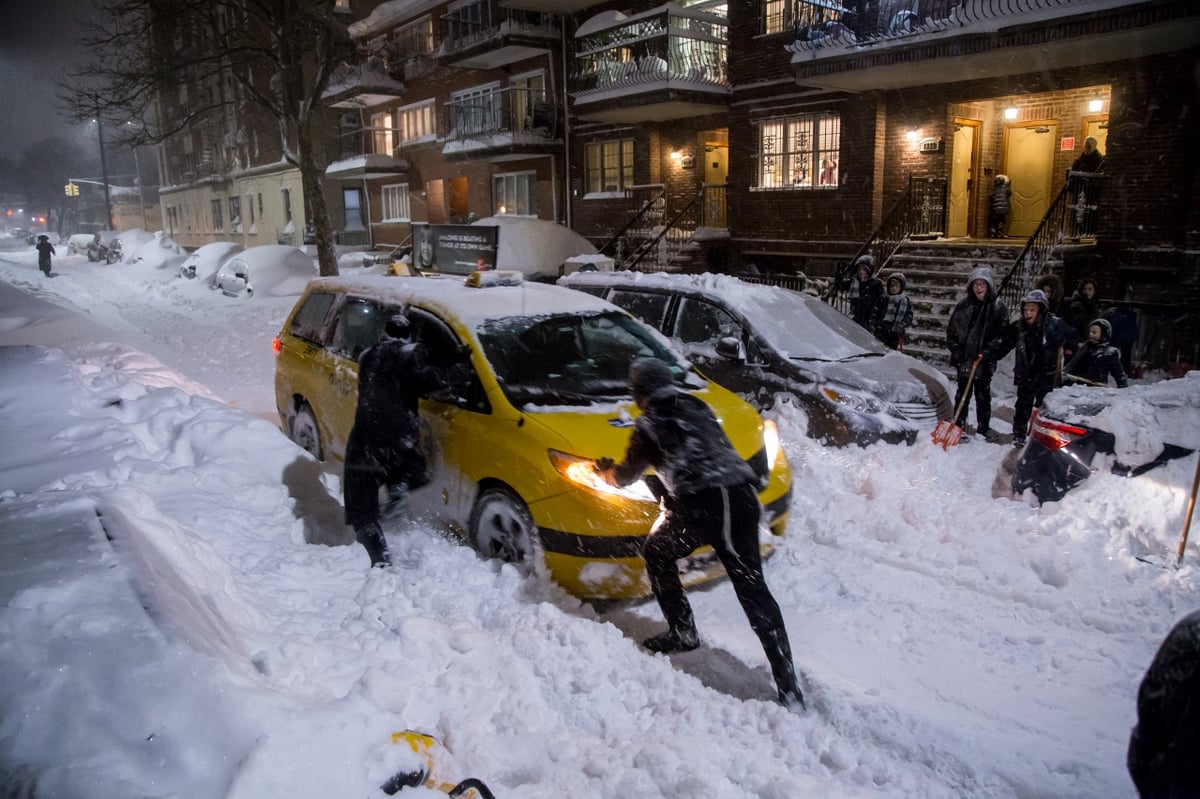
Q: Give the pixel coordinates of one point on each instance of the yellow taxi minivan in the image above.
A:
(511, 446)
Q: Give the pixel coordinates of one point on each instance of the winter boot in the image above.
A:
(371, 537)
(684, 640)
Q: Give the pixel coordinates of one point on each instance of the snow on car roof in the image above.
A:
(1143, 417)
(472, 306)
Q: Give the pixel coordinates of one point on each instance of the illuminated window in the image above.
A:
(799, 152)
(514, 193)
(381, 133)
(416, 121)
(609, 166)
(395, 203)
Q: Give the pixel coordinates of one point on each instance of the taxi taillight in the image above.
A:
(1055, 435)
(276, 345)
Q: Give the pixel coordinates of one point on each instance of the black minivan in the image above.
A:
(768, 343)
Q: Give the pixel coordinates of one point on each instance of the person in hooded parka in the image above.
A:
(709, 495)
(1097, 360)
(976, 330)
(865, 292)
(383, 448)
(1039, 338)
(895, 312)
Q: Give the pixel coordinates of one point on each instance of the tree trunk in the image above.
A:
(314, 201)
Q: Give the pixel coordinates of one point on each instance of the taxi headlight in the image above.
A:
(582, 472)
(771, 443)
(860, 403)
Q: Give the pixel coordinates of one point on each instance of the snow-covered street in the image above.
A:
(182, 619)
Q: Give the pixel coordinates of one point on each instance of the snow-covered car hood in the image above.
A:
(1143, 417)
(894, 376)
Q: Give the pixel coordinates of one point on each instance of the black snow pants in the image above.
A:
(981, 388)
(726, 518)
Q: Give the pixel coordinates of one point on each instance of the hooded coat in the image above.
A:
(1096, 361)
(1081, 309)
(895, 313)
(977, 327)
(865, 294)
(1037, 346)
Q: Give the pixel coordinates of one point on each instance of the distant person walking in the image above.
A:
(709, 495)
(1091, 159)
(45, 250)
(1000, 207)
(977, 328)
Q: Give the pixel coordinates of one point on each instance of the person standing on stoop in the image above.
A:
(709, 495)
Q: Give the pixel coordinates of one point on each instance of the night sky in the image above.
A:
(37, 40)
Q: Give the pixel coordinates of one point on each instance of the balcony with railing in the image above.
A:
(508, 120)
(362, 84)
(666, 63)
(484, 35)
(987, 38)
(363, 155)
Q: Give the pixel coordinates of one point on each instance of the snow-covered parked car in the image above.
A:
(765, 342)
(271, 269)
(157, 252)
(78, 243)
(207, 260)
(1127, 431)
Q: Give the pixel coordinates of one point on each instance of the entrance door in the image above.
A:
(1029, 164)
(962, 177)
(1097, 128)
(716, 173)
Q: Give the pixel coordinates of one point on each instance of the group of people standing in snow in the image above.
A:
(1049, 349)
(1048, 328)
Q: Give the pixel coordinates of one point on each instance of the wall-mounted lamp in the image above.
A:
(1095, 106)
(683, 159)
(913, 135)
(1011, 112)
(676, 155)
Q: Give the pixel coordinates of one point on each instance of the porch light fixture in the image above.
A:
(913, 135)
(676, 155)
(1011, 112)
(1095, 106)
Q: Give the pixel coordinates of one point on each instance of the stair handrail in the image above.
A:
(883, 242)
(646, 206)
(647, 246)
(1049, 234)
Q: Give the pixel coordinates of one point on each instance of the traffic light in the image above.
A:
(72, 190)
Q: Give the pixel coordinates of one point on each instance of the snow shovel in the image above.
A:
(948, 433)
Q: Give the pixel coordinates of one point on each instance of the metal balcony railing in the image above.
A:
(474, 23)
(822, 23)
(645, 52)
(920, 211)
(503, 111)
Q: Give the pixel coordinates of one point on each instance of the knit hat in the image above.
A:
(900, 278)
(397, 326)
(648, 375)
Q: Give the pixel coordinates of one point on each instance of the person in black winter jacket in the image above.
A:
(895, 312)
(866, 290)
(45, 250)
(709, 495)
(1082, 307)
(977, 328)
(1039, 338)
(1162, 757)
(383, 448)
(1096, 360)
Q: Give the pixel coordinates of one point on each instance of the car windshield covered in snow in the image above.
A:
(570, 359)
(780, 315)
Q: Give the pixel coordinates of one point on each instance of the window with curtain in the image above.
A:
(609, 165)
(800, 152)
(352, 198)
(381, 133)
(416, 121)
(395, 203)
(218, 221)
(514, 193)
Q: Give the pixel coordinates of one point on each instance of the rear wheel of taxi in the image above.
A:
(502, 527)
(305, 432)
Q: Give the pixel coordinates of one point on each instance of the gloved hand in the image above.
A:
(605, 464)
(964, 371)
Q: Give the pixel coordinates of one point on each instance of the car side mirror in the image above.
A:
(730, 348)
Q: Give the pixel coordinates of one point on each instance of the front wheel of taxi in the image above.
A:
(305, 432)
(502, 527)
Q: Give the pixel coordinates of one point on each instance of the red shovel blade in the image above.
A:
(947, 433)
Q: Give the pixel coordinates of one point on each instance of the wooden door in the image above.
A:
(963, 162)
(1029, 164)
